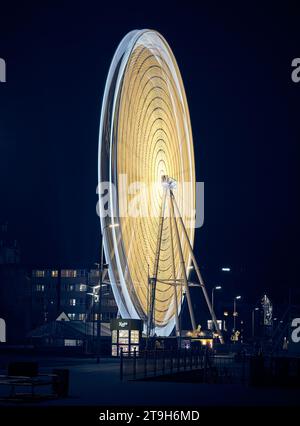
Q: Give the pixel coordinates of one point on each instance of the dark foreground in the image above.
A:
(100, 385)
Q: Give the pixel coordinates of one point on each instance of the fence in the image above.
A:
(180, 363)
(152, 363)
(202, 366)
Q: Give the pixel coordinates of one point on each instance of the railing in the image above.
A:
(152, 363)
(206, 367)
(203, 366)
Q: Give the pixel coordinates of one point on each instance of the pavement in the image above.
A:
(100, 385)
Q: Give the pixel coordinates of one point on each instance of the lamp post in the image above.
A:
(234, 310)
(99, 299)
(253, 321)
(218, 287)
(91, 311)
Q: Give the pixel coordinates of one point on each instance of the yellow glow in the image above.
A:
(154, 139)
(207, 342)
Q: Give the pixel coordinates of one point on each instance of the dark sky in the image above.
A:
(245, 112)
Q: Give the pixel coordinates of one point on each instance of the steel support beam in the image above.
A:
(174, 276)
(182, 264)
(153, 279)
(212, 313)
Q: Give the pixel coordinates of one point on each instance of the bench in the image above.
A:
(26, 374)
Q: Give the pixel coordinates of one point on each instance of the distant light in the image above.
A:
(114, 225)
(168, 182)
(191, 267)
(226, 269)
(256, 309)
(225, 314)
(275, 319)
(218, 287)
(238, 297)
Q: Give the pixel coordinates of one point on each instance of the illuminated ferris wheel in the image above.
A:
(146, 148)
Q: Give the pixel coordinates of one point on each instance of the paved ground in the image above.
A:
(99, 384)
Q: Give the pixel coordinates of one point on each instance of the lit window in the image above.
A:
(54, 274)
(40, 287)
(134, 336)
(72, 302)
(81, 317)
(124, 348)
(70, 342)
(114, 335)
(71, 287)
(135, 349)
(39, 274)
(71, 316)
(82, 287)
(73, 342)
(210, 325)
(114, 350)
(69, 273)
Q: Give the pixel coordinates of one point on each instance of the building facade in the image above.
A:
(71, 291)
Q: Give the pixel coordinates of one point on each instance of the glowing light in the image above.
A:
(145, 134)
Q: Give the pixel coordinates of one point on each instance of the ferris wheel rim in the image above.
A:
(126, 305)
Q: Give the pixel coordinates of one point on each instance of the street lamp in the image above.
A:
(100, 268)
(110, 225)
(218, 287)
(226, 269)
(253, 320)
(234, 310)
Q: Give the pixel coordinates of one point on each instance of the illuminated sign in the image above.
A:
(126, 324)
(125, 336)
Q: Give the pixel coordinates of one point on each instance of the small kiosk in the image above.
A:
(126, 334)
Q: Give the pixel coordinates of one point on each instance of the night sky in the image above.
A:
(245, 112)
